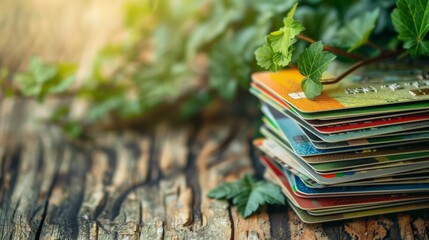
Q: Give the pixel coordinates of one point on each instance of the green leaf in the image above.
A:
(277, 52)
(312, 88)
(228, 67)
(64, 79)
(281, 40)
(27, 84)
(221, 17)
(254, 194)
(41, 71)
(411, 20)
(4, 73)
(265, 58)
(356, 32)
(273, 6)
(320, 23)
(225, 190)
(249, 194)
(45, 78)
(72, 129)
(311, 64)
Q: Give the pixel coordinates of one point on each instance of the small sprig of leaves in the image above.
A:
(352, 41)
(44, 78)
(277, 51)
(248, 194)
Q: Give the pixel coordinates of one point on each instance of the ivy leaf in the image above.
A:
(277, 52)
(311, 64)
(248, 194)
(411, 20)
(356, 32)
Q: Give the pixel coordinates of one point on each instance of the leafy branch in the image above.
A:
(410, 20)
(335, 50)
(384, 55)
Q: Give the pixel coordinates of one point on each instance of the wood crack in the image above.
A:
(48, 196)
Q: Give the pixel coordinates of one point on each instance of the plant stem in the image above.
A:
(357, 65)
(373, 45)
(334, 50)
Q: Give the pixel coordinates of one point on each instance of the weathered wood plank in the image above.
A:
(173, 149)
(27, 174)
(61, 220)
(122, 208)
(153, 213)
(95, 195)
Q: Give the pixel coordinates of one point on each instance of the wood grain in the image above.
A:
(148, 185)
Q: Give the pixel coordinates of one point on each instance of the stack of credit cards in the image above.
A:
(359, 149)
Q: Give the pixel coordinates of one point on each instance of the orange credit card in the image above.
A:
(373, 87)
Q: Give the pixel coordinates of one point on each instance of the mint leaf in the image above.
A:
(312, 63)
(248, 194)
(411, 20)
(356, 32)
(277, 52)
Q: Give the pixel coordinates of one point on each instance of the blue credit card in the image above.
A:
(300, 186)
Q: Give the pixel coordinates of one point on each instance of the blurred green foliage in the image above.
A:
(43, 79)
(188, 53)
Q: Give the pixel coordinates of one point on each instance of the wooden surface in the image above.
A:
(148, 185)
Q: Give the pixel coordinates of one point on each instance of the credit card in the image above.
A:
(308, 218)
(381, 90)
(380, 162)
(376, 153)
(279, 116)
(344, 127)
(332, 202)
(275, 151)
(345, 210)
(305, 191)
(372, 141)
(319, 123)
(267, 95)
(293, 134)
